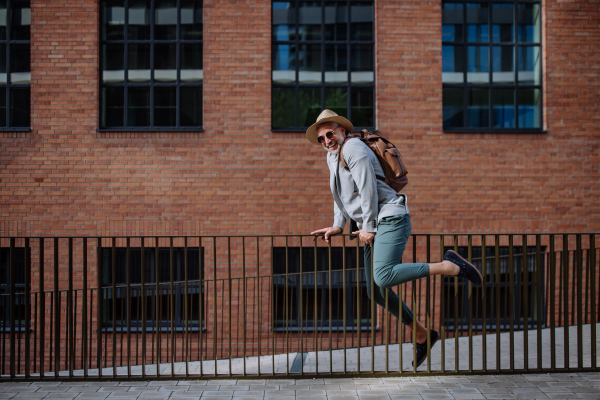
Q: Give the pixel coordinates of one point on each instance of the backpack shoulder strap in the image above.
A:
(341, 158)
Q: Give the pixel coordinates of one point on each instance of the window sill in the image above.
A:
(495, 131)
(15, 129)
(151, 130)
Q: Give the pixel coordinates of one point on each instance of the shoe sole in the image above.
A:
(425, 358)
(468, 263)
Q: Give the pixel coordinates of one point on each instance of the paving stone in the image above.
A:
(217, 393)
(92, 396)
(499, 396)
(562, 396)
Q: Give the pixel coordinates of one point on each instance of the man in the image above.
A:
(383, 220)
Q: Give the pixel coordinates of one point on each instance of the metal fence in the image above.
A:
(288, 306)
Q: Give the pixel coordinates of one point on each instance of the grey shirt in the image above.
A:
(357, 193)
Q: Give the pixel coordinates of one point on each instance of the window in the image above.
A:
(323, 57)
(491, 66)
(151, 57)
(20, 269)
(163, 297)
(15, 75)
(287, 313)
(490, 287)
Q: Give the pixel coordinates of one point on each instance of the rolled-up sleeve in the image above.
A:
(363, 174)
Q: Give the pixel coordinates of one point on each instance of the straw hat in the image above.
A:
(327, 116)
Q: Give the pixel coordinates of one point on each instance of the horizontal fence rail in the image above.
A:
(289, 306)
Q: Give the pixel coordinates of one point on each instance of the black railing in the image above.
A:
(288, 306)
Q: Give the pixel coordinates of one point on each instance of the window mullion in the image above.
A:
(8, 81)
(152, 46)
(177, 64)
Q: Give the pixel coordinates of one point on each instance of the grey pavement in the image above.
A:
(529, 386)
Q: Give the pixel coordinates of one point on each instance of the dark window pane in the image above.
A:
(478, 108)
(191, 106)
(165, 106)
(20, 63)
(477, 22)
(191, 20)
(503, 66)
(284, 63)
(529, 108)
(19, 107)
(503, 107)
(20, 20)
(3, 76)
(336, 100)
(309, 63)
(309, 14)
(113, 60)
(2, 107)
(502, 23)
(363, 66)
(310, 105)
(165, 62)
(529, 18)
(112, 106)
(361, 105)
(139, 63)
(284, 106)
(529, 65)
(478, 67)
(452, 22)
(165, 20)
(2, 19)
(453, 64)
(336, 21)
(284, 21)
(361, 20)
(191, 62)
(139, 20)
(453, 108)
(138, 106)
(336, 63)
(113, 20)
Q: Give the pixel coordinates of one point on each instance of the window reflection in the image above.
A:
(139, 63)
(309, 27)
(529, 108)
(336, 21)
(453, 64)
(3, 76)
(478, 108)
(529, 65)
(503, 65)
(284, 58)
(453, 108)
(138, 107)
(113, 63)
(477, 22)
(336, 63)
(363, 68)
(502, 23)
(165, 62)
(529, 19)
(20, 20)
(191, 63)
(165, 20)
(139, 20)
(191, 19)
(3, 25)
(452, 22)
(20, 63)
(309, 63)
(478, 64)
(361, 20)
(284, 21)
(361, 106)
(503, 108)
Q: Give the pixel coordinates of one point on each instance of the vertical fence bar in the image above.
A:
(157, 306)
(99, 301)
(511, 300)
(12, 284)
(497, 293)
(442, 307)
(172, 304)
(114, 305)
(286, 307)
(257, 296)
(358, 314)
(84, 308)
(27, 305)
(372, 283)
(470, 303)
(229, 296)
(70, 324)
(592, 267)
(42, 307)
(552, 261)
(57, 351)
(525, 272)
(215, 304)
(185, 309)
(427, 308)
(579, 258)
(300, 321)
(144, 302)
(456, 319)
(201, 304)
(344, 296)
(414, 308)
(565, 268)
(539, 292)
(244, 299)
(128, 311)
(315, 345)
(330, 301)
(483, 303)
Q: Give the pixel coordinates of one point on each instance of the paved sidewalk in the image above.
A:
(541, 386)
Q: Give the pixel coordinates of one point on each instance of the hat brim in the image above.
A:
(311, 132)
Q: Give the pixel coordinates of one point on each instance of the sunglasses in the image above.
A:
(328, 134)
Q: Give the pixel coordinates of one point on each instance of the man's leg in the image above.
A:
(393, 299)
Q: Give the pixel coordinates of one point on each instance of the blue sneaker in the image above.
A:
(467, 270)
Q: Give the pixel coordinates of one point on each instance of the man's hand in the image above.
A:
(364, 236)
(334, 230)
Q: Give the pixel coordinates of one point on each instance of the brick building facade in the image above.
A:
(65, 177)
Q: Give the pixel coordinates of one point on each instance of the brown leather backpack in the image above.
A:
(387, 154)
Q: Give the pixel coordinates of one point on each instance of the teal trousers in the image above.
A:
(388, 270)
